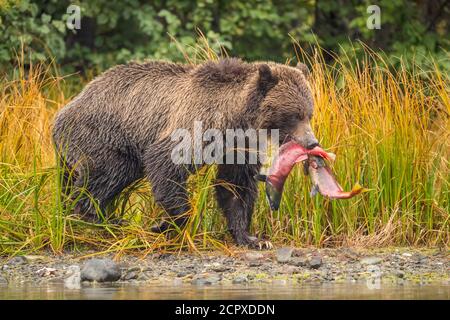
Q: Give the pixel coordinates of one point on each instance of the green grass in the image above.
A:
(389, 128)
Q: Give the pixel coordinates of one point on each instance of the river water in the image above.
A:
(264, 291)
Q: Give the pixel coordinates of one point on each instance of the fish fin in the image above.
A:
(261, 177)
(314, 191)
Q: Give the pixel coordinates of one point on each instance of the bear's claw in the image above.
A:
(255, 243)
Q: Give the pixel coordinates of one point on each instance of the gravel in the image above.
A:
(295, 266)
(371, 260)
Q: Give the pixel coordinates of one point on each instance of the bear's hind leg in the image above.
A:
(103, 183)
(236, 192)
(168, 182)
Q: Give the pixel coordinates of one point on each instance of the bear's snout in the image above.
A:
(304, 135)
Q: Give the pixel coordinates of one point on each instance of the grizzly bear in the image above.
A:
(118, 130)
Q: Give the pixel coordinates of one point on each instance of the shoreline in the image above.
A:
(283, 266)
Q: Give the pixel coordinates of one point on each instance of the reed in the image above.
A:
(389, 128)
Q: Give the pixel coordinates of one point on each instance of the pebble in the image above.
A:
(45, 272)
(299, 261)
(371, 260)
(131, 275)
(406, 254)
(253, 256)
(315, 262)
(290, 270)
(418, 258)
(400, 274)
(254, 259)
(311, 265)
(242, 278)
(254, 264)
(205, 279)
(100, 270)
(17, 261)
(284, 254)
(218, 267)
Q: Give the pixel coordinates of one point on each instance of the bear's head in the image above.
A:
(285, 102)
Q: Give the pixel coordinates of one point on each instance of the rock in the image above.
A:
(17, 261)
(315, 262)
(406, 254)
(284, 254)
(254, 264)
(371, 260)
(218, 267)
(298, 261)
(3, 281)
(131, 275)
(399, 273)
(73, 281)
(205, 279)
(289, 270)
(241, 278)
(418, 258)
(45, 272)
(100, 270)
(253, 256)
(327, 275)
(183, 273)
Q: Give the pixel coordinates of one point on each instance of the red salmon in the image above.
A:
(324, 181)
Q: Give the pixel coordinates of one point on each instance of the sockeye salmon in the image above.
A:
(323, 180)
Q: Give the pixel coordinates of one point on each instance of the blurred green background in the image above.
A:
(114, 32)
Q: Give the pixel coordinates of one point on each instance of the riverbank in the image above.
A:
(283, 266)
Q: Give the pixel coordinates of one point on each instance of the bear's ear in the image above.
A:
(304, 69)
(266, 79)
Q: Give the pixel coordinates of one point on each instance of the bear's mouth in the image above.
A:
(293, 138)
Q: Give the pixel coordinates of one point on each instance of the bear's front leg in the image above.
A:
(236, 192)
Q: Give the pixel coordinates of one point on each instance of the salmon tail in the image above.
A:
(357, 189)
(331, 156)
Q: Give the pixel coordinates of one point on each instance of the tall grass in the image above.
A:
(389, 128)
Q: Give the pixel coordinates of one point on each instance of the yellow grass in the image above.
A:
(389, 128)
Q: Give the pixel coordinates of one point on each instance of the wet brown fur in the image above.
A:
(117, 130)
